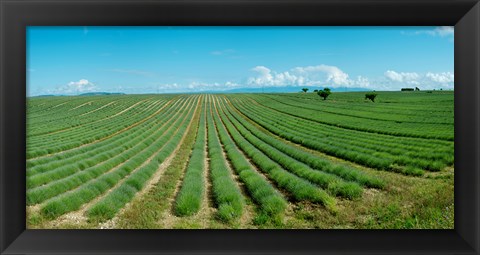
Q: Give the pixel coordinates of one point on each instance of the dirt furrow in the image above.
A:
(78, 216)
(111, 224)
(106, 137)
(94, 110)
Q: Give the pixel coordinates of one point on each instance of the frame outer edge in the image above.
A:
(476, 245)
(474, 242)
(468, 68)
(2, 134)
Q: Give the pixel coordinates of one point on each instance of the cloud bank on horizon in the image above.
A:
(332, 76)
(75, 60)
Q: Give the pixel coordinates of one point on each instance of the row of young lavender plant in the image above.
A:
(80, 137)
(87, 191)
(59, 169)
(423, 130)
(127, 159)
(370, 153)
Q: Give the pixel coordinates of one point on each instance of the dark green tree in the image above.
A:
(371, 96)
(305, 90)
(324, 93)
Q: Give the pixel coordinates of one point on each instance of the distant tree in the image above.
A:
(305, 90)
(316, 90)
(417, 89)
(324, 93)
(371, 96)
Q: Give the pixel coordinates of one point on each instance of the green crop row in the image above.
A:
(336, 150)
(42, 108)
(109, 205)
(126, 160)
(369, 145)
(406, 143)
(309, 159)
(364, 143)
(67, 118)
(420, 117)
(299, 188)
(435, 131)
(388, 102)
(270, 200)
(190, 196)
(227, 195)
(60, 141)
(88, 191)
(83, 157)
(73, 133)
(333, 184)
(52, 145)
(359, 152)
(65, 125)
(96, 157)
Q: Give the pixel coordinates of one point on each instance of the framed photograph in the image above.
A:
(239, 127)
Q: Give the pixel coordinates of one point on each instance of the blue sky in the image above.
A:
(72, 60)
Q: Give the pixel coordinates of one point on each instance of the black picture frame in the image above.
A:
(17, 14)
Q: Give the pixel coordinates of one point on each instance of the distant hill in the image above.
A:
(287, 89)
(100, 94)
(84, 94)
(45, 96)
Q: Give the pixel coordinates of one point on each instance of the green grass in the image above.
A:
(298, 188)
(126, 160)
(271, 202)
(274, 161)
(228, 198)
(372, 151)
(191, 193)
(331, 183)
(86, 192)
(310, 159)
(109, 205)
(147, 212)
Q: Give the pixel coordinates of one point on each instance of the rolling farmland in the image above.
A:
(288, 160)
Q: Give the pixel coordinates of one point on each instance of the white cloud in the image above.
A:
(443, 31)
(445, 77)
(204, 86)
(75, 87)
(362, 82)
(264, 76)
(401, 77)
(162, 88)
(333, 73)
(305, 76)
(394, 76)
(231, 84)
(394, 80)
